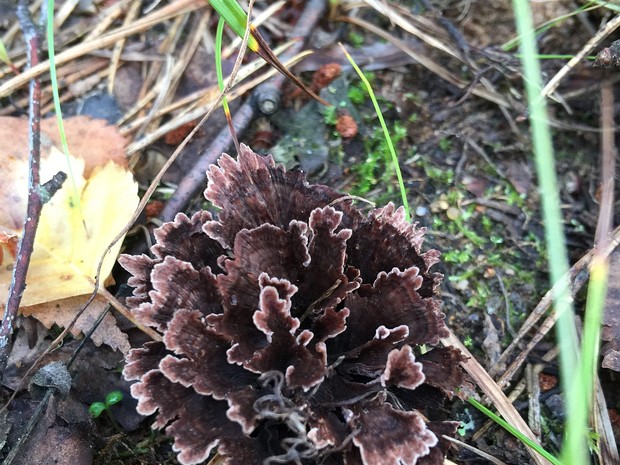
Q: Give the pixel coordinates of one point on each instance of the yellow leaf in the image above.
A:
(66, 254)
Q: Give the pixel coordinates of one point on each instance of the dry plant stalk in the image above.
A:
(38, 194)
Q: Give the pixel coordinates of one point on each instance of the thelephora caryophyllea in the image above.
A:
(292, 326)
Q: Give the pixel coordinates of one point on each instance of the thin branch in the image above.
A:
(35, 200)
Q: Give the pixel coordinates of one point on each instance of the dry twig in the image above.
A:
(37, 194)
(494, 393)
(553, 84)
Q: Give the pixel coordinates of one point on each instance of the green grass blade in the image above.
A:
(513, 43)
(607, 4)
(574, 450)
(218, 62)
(595, 306)
(386, 133)
(515, 432)
(235, 17)
(220, 79)
(557, 57)
(61, 127)
(4, 56)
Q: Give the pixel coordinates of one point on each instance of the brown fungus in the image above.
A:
(292, 326)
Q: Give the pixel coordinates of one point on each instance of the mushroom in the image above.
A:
(293, 326)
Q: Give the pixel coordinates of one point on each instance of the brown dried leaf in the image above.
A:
(93, 139)
(520, 176)
(62, 312)
(11, 242)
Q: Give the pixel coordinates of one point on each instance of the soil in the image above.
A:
(466, 161)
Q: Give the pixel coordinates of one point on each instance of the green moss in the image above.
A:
(355, 39)
(459, 256)
(445, 144)
(329, 115)
(357, 95)
(376, 168)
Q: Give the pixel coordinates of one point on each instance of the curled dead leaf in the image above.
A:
(10, 242)
(61, 312)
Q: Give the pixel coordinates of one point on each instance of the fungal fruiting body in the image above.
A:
(292, 324)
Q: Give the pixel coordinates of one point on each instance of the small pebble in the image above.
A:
(453, 213)
(101, 106)
(421, 211)
(439, 206)
(462, 285)
(555, 404)
(489, 272)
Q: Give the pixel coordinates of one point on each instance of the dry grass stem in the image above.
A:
(167, 12)
(198, 27)
(166, 47)
(130, 16)
(106, 18)
(533, 398)
(390, 12)
(64, 12)
(608, 448)
(127, 314)
(495, 394)
(555, 81)
(608, 165)
(195, 113)
(518, 390)
(428, 63)
(475, 450)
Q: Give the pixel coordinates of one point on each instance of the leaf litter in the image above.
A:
(70, 240)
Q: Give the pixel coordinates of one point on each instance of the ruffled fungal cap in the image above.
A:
(291, 328)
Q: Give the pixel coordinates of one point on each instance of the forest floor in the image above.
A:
(450, 86)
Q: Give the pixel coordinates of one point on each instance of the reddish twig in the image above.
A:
(37, 194)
